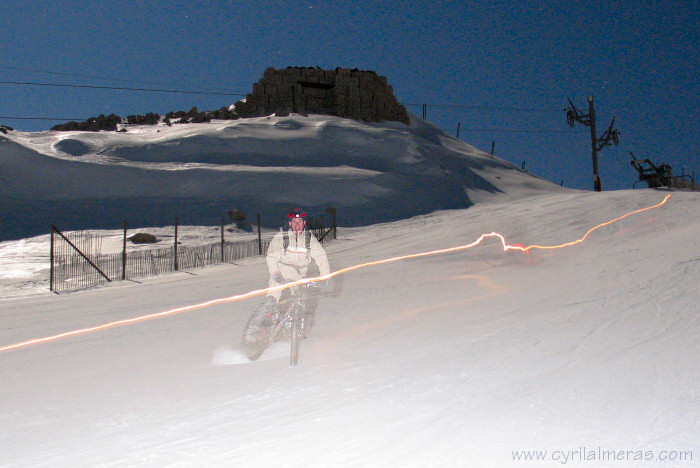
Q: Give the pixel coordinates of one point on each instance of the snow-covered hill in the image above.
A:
(465, 358)
(370, 172)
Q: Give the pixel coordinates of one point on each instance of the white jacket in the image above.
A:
(293, 264)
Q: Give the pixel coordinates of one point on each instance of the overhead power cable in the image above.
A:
(37, 118)
(500, 108)
(95, 77)
(119, 88)
(508, 130)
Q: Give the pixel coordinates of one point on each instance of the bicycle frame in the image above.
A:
(291, 318)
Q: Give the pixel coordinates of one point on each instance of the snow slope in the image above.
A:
(370, 172)
(456, 359)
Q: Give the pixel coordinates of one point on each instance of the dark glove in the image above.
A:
(278, 278)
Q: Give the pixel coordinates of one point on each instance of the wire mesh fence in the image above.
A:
(324, 226)
(72, 271)
(77, 261)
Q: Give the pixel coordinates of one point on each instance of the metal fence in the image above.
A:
(71, 265)
(76, 261)
(72, 271)
(324, 226)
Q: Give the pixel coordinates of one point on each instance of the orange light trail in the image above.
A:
(259, 292)
(578, 241)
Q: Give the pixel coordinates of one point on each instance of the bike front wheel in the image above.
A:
(256, 338)
(297, 333)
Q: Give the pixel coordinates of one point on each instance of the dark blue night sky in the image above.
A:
(501, 70)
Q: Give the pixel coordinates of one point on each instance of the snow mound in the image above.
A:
(371, 173)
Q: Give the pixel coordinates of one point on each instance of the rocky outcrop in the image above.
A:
(93, 124)
(143, 238)
(353, 94)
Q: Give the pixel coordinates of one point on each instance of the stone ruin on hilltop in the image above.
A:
(352, 94)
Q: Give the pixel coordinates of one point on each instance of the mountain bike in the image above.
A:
(291, 318)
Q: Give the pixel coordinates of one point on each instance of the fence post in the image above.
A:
(259, 237)
(177, 221)
(222, 239)
(335, 223)
(52, 262)
(124, 252)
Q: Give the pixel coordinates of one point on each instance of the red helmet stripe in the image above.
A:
(296, 213)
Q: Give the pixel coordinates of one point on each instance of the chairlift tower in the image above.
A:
(574, 115)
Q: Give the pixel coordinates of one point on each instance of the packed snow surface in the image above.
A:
(463, 358)
(472, 357)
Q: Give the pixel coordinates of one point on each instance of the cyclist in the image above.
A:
(290, 254)
(288, 259)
